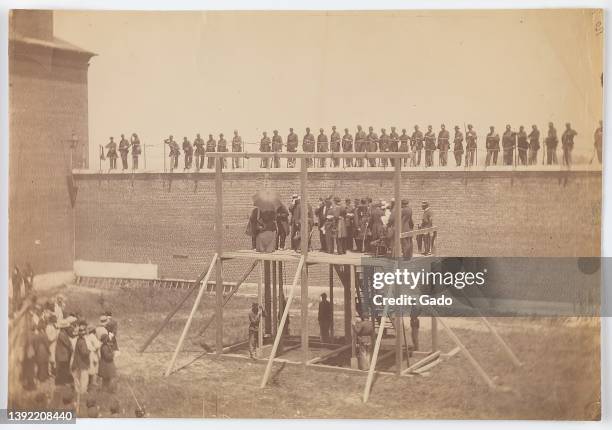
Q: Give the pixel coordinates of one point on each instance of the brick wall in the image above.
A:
(47, 102)
(168, 219)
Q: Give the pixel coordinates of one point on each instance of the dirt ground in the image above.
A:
(559, 379)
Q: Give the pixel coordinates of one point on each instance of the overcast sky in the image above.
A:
(160, 73)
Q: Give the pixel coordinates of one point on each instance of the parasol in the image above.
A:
(266, 200)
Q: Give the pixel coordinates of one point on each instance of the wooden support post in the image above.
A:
(267, 297)
(260, 303)
(397, 252)
(501, 341)
(398, 344)
(381, 329)
(281, 326)
(274, 298)
(331, 300)
(219, 250)
(351, 309)
(190, 318)
(434, 334)
(468, 355)
(304, 236)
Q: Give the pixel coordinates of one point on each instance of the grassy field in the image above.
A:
(559, 379)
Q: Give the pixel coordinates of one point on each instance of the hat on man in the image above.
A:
(337, 199)
(103, 320)
(405, 202)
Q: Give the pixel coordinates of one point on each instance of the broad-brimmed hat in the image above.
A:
(103, 319)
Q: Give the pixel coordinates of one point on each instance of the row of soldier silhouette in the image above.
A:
(517, 147)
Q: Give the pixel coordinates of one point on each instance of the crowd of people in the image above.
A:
(63, 359)
(517, 147)
(352, 225)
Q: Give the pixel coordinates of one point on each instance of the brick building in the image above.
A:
(48, 116)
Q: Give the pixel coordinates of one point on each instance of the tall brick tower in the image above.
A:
(47, 133)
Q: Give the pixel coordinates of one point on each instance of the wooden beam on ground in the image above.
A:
(283, 320)
(190, 318)
(413, 233)
(431, 357)
(219, 250)
(452, 352)
(176, 308)
(468, 355)
(427, 367)
(328, 354)
(304, 239)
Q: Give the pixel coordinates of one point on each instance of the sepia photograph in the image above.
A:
(317, 214)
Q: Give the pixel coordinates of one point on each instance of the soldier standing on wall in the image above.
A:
(334, 146)
(322, 146)
(347, 146)
(551, 144)
(384, 144)
(458, 146)
(372, 146)
(443, 145)
(430, 146)
(404, 146)
(124, 149)
(174, 152)
(292, 146)
(360, 144)
(394, 144)
(188, 151)
(508, 144)
(416, 146)
(236, 147)
(522, 145)
(265, 145)
(277, 146)
(222, 147)
(308, 145)
(598, 141)
(211, 146)
(492, 144)
(198, 142)
(567, 142)
(471, 146)
(534, 144)
(136, 150)
(111, 154)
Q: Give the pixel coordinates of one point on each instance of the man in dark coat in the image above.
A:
(265, 145)
(188, 151)
(470, 146)
(200, 150)
(508, 144)
(111, 154)
(174, 152)
(372, 146)
(282, 222)
(292, 146)
(404, 146)
(277, 146)
(426, 222)
(360, 144)
(222, 147)
(430, 146)
(325, 317)
(322, 146)
(551, 144)
(80, 362)
(534, 144)
(236, 147)
(394, 143)
(347, 146)
(416, 144)
(458, 146)
(63, 354)
(124, 149)
(492, 144)
(334, 146)
(296, 223)
(308, 145)
(443, 145)
(522, 146)
(567, 143)
(211, 146)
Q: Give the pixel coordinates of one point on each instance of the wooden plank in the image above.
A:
(259, 303)
(274, 298)
(452, 352)
(413, 233)
(434, 334)
(331, 299)
(433, 356)
(219, 250)
(351, 308)
(329, 354)
(173, 311)
(370, 379)
(281, 326)
(304, 235)
(190, 318)
(427, 367)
